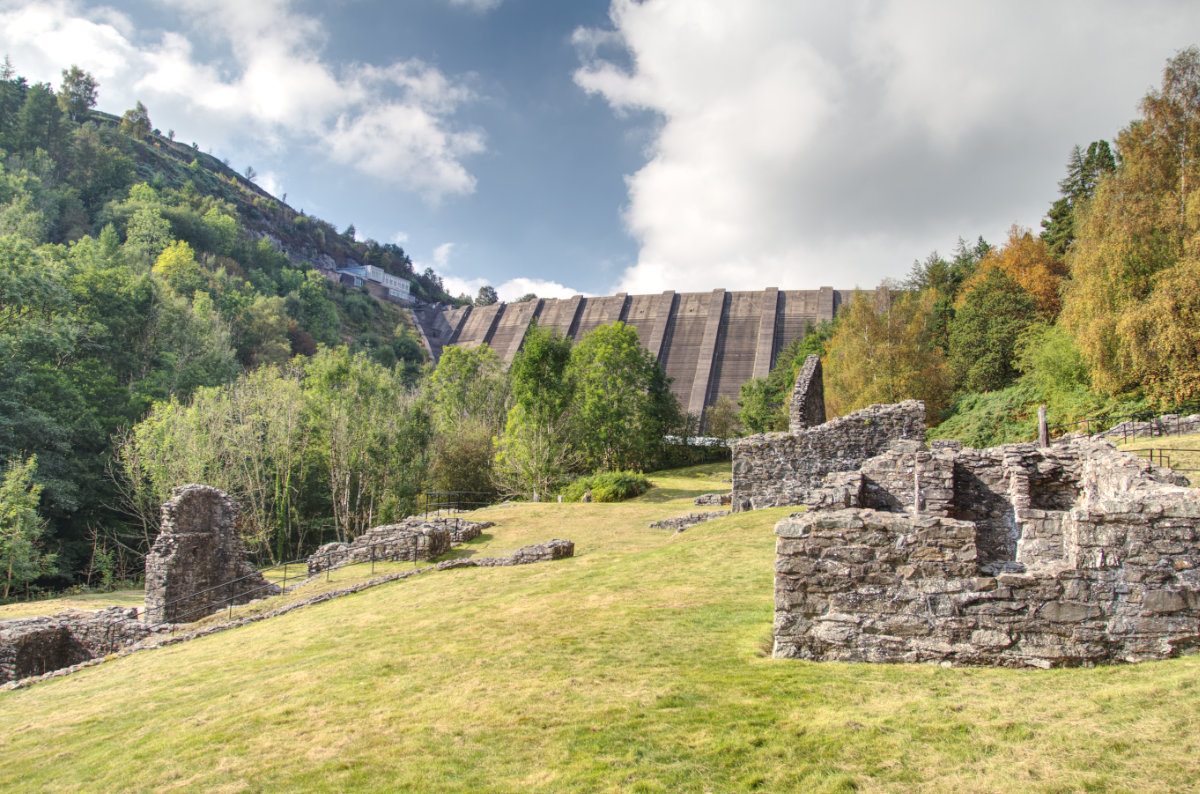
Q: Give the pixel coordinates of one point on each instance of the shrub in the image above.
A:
(608, 486)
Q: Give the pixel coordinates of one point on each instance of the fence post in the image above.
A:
(1043, 429)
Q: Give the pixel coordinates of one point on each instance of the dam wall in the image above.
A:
(709, 343)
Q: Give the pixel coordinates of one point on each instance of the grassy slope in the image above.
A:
(636, 666)
(1186, 462)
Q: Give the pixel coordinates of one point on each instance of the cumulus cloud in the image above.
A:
(809, 144)
(393, 122)
(508, 291)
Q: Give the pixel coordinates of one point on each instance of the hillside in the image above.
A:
(638, 665)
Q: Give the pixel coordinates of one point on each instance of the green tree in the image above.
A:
(534, 454)
(764, 401)
(21, 527)
(1084, 171)
(135, 122)
(77, 95)
(618, 400)
(1138, 238)
(992, 313)
(487, 296)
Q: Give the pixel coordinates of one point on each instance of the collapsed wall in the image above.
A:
(414, 539)
(34, 646)
(198, 564)
(1009, 556)
(776, 469)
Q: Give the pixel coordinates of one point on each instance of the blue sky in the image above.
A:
(610, 145)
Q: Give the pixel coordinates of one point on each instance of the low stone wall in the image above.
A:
(34, 646)
(777, 469)
(687, 521)
(713, 500)
(1071, 555)
(1165, 425)
(198, 564)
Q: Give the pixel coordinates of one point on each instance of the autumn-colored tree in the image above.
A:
(1028, 261)
(882, 352)
(1138, 242)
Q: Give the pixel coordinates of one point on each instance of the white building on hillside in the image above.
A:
(377, 281)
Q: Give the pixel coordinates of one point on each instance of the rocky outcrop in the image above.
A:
(198, 564)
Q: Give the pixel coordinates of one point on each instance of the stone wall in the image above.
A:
(687, 520)
(198, 564)
(807, 408)
(1070, 555)
(34, 646)
(775, 469)
(414, 539)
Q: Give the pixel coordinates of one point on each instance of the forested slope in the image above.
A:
(136, 269)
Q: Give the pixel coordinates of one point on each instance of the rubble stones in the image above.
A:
(412, 540)
(688, 520)
(1010, 556)
(198, 564)
(713, 500)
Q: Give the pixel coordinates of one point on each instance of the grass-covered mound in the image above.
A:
(638, 665)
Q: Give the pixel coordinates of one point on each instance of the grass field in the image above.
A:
(1182, 453)
(638, 665)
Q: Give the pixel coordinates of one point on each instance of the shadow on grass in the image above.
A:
(464, 551)
(670, 494)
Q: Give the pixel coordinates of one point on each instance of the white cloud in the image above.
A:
(393, 122)
(510, 290)
(802, 144)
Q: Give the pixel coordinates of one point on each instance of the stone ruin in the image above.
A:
(807, 408)
(1011, 556)
(556, 549)
(198, 564)
(415, 539)
(34, 646)
(1071, 554)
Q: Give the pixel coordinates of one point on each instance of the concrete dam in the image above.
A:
(709, 343)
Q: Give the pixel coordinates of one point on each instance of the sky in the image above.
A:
(604, 146)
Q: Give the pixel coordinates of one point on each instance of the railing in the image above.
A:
(1159, 456)
(1137, 425)
(455, 501)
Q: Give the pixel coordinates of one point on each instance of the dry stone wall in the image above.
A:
(807, 408)
(412, 540)
(776, 469)
(1009, 556)
(198, 564)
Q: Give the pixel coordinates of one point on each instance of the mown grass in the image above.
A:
(116, 598)
(636, 666)
(1182, 452)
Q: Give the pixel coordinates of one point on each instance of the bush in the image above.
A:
(608, 486)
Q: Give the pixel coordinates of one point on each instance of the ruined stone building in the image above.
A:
(1015, 555)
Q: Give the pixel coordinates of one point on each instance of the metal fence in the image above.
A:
(1145, 424)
